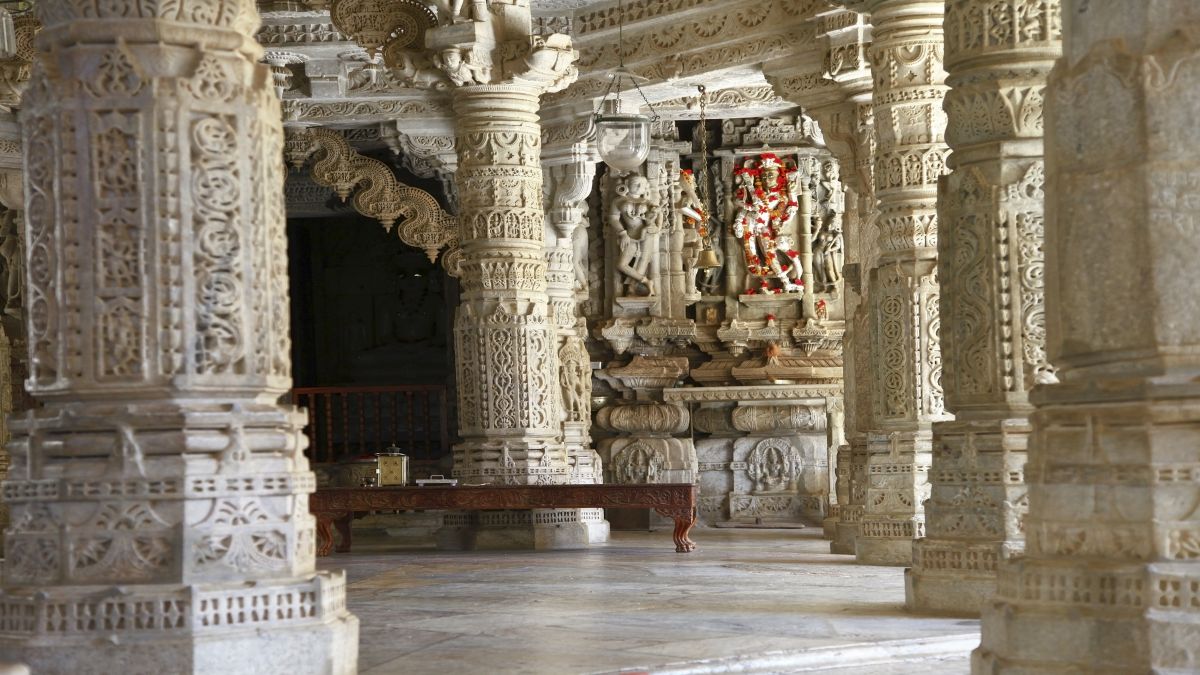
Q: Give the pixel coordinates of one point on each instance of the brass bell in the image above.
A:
(707, 259)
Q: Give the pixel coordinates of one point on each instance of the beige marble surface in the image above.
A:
(633, 604)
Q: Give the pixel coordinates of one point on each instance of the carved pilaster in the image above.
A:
(567, 275)
(1110, 578)
(991, 221)
(160, 464)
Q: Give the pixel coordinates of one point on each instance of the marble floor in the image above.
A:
(748, 601)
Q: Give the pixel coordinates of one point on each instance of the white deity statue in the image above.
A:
(767, 201)
(695, 226)
(828, 242)
(632, 221)
(579, 253)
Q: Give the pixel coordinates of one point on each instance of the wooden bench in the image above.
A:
(335, 507)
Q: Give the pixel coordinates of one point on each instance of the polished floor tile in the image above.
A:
(630, 604)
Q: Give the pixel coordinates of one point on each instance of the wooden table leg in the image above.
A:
(684, 520)
(343, 527)
(324, 533)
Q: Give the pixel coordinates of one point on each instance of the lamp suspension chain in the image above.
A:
(703, 146)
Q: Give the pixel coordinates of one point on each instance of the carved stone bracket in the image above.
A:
(426, 225)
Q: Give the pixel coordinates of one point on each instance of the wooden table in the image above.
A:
(335, 507)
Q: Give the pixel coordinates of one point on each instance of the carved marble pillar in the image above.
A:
(158, 496)
(647, 447)
(991, 268)
(906, 61)
(506, 339)
(505, 335)
(1110, 578)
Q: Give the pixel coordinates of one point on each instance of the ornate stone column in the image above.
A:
(505, 335)
(906, 61)
(1110, 578)
(160, 518)
(991, 268)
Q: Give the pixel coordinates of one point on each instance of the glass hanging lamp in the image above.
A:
(622, 131)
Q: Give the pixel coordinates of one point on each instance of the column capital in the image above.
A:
(499, 49)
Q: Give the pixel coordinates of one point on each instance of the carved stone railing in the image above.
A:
(347, 422)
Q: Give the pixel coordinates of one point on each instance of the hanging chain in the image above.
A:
(703, 187)
(621, 33)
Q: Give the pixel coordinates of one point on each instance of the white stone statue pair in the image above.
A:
(633, 219)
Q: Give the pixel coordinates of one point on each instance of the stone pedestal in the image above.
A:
(763, 454)
(1110, 578)
(990, 210)
(159, 496)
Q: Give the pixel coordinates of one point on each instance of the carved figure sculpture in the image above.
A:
(828, 243)
(766, 198)
(829, 253)
(451, 11)
(575, 382)
(12, 259)
(774, 466)
(579, 253)
(462, 66)
(695, 226)
(413, 68)
(788, 257)
(632, 219)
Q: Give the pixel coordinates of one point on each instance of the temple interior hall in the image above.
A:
(599, 337)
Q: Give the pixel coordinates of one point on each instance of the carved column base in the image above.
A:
(850, 513)
(974, 514)
(897, 486)
(179, 628)
(952, 578)
(829, 525)
(846, 530)
(537, 529)
(511, 463)
(1110, 579)
(1065, 616)
(887, 541)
